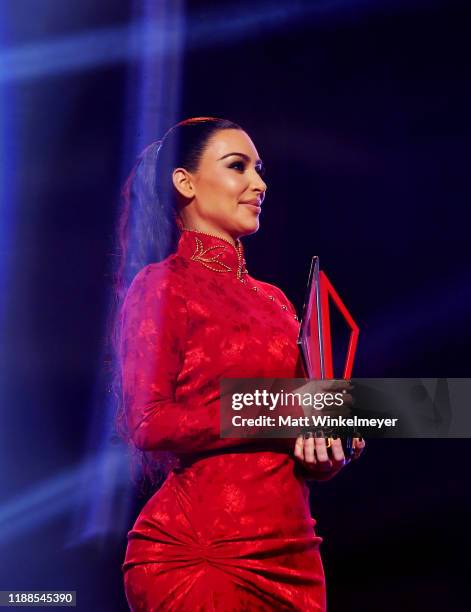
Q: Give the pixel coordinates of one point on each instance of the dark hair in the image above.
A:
(148, 231)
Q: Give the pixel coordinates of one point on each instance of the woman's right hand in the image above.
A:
(321, 462)
(329, 404)
(321, 452)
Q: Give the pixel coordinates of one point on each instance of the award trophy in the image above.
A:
(315, 340)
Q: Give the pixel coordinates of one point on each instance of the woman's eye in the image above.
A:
(238, 165)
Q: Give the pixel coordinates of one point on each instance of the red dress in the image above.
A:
(230, 529)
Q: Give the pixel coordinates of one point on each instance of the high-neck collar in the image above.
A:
(213, 252)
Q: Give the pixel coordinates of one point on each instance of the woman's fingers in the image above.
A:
(299, 448)
(338, 456)
(321, 450)
(358, 446)
(309, 449)
(326, 386)
(338, 386)
(313, 451)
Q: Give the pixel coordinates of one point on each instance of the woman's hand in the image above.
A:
(329, 390)
(320, 462)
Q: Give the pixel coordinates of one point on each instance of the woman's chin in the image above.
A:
(250, 228)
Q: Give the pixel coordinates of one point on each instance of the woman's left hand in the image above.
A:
(319, 461)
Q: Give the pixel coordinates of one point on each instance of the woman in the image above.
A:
(230, 529)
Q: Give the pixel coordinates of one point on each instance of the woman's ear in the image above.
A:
(182, 181)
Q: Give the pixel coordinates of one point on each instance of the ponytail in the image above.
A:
(148, 231)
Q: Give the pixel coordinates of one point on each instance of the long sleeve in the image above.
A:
(154, 334)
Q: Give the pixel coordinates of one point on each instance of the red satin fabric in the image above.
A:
(230, 529)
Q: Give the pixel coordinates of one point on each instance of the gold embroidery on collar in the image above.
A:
(201, 255)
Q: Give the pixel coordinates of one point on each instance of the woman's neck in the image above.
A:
(216, 232)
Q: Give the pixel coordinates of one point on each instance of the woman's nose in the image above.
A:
(258, 183)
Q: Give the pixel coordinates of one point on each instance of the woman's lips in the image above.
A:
(253, 204)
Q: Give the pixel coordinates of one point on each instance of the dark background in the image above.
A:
(360, 111)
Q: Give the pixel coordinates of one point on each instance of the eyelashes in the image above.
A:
(238, 165)
(241, 166)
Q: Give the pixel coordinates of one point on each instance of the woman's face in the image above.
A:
(227, 188)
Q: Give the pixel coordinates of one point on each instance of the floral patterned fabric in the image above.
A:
(230, 529)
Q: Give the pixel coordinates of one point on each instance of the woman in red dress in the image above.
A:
(230, 528)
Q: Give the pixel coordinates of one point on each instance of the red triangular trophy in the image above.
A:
(315, 340)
